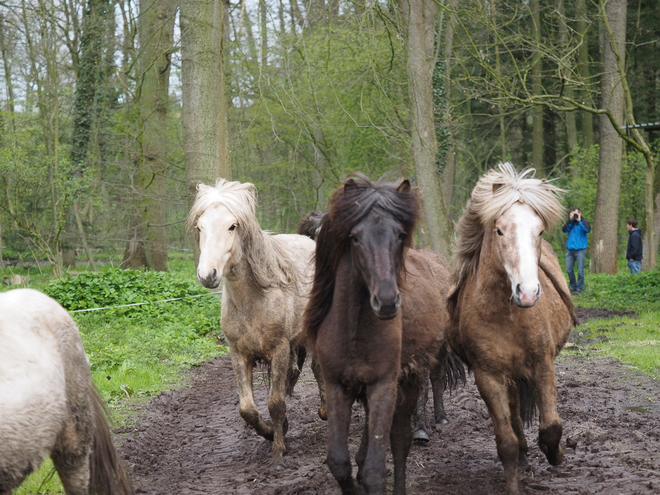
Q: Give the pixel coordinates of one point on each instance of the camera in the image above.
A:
(575, 216)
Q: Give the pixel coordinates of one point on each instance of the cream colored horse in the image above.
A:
(48, 403)
(267, 279)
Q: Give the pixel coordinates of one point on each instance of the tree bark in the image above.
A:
(419, 22)
(155, 33)
(203, 90)
(449, 172)
(587, 118)
(605, 234)
(571, 127)
(537, 88)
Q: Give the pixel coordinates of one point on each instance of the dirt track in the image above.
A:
(192, 440)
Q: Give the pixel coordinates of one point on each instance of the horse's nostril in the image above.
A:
(518, 289)
(213, 275)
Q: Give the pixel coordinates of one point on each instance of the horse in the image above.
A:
(266, 285)
(310, 225)
(375, 323)
(48, 402)
(511, 311)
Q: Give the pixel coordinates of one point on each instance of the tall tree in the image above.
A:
(587, 118)
(155, 34)
(605, 239)
(537, 88)
(203, 89)
(419, 19)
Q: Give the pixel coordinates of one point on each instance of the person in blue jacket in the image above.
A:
(635, 248)
(577, 229)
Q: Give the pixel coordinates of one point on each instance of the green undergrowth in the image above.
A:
(137, 351)
(634, 337)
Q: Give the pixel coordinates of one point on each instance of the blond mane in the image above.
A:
(491, 197)
(266, 257)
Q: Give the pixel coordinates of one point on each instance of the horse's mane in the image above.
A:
(491, 197)
(267, 258)
(348, 206)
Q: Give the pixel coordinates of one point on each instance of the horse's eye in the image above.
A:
(232, 228)
(542, 232)
(499, 232)
(402, 236)
(353, 239)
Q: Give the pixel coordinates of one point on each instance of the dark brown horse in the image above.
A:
(376, 323)
(511, 312)
(310, 226)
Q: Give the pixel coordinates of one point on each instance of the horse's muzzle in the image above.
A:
(526, 299)
(386, 310)
(211, 281)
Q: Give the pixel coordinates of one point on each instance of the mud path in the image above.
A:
(192, 440)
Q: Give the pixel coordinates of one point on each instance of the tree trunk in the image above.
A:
(537, 89)
(419, 23)
(571, 127)
(449, 172)
(587, 118)
(606, 222)
(156, 32)
(264, 33)
(203, 90)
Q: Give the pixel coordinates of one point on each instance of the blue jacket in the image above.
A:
(577, 234)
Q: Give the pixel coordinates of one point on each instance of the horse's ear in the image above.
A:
(496, 187)
(350, 185)
(404, 186)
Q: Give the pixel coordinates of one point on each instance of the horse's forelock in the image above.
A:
(238, 197)
(495, 193)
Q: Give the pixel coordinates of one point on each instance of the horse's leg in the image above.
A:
(364, 443)
(381, 398)
(401, 435)
(339, 419)
(494, 391)
(437, 374)
(517, 424)
(248, 410)
(550, 428)
(74, 472)
(420, 433)
(281, 362)
(323, 408)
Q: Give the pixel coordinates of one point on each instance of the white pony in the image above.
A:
(267, 282)
(48, 403)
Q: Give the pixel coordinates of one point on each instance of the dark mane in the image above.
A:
(348, 206)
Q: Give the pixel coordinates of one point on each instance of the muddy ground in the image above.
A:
(192, 440)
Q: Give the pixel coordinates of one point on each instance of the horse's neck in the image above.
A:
(255, 265)
(238, 280)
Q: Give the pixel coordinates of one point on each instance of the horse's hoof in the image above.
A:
(442, 420)
(323, 413)
(420, 437)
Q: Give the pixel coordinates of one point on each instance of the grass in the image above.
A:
(631, 340)
(135, 352)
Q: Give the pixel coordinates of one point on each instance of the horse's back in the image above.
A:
(33, 403)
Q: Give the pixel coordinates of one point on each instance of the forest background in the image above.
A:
(113, 110)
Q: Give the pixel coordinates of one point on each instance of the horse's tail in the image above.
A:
(108, 473)
(299, 356)
(454, 370)
(526, 400)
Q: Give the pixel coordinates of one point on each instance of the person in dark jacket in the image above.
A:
(635, 248)
(577, 229)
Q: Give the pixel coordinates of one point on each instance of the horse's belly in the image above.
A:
(32, 400)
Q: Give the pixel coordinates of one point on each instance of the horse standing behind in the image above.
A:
(510, 319)
(48, 403)
(367, 348)
(267, 281)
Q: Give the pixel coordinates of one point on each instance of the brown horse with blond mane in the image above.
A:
(511, 311)
(376, 324)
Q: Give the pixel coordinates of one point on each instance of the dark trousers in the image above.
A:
(573, 257)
